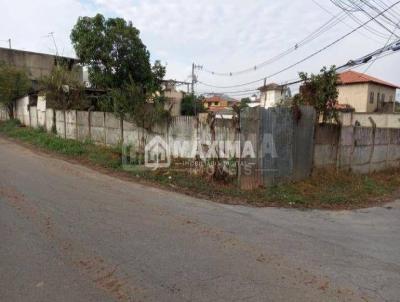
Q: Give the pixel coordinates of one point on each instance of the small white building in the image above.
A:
(273, 94)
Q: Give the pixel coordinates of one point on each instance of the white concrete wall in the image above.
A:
(49, 119)
(382, 120)
(41, 111)
(33, 117)
(357, 149)
(3, 113)
(21, 110)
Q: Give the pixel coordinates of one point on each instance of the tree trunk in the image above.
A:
(10, 109)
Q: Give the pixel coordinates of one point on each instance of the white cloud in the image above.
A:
(222, 35)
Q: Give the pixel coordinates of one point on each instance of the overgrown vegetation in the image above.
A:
(14, 83)
(326, 189)
(192, 105)
(119, 63)
(320, 92)
(63, 89)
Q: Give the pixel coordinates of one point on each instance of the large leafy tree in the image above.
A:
(14, 83)
(114, 53)
(320, 92)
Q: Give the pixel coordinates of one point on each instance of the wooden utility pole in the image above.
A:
(9, 43)
(193, 78)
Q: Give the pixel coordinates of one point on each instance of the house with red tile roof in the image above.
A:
(366, 93)
(218, 101)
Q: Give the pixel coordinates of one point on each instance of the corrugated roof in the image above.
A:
(353, 77)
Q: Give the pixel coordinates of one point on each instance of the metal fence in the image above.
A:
(283, 142)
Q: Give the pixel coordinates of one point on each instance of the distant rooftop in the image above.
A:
(353, 77)
(220, 97)
(270, 86)
(13, 50)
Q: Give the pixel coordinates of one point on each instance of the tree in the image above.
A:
(192, 104)
(320, 92)
(63, 89)
(114, 54)
(14, 83)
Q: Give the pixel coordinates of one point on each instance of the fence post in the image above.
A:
(90, 124)
(122, 129)
(65, 124)
(76, 125)
(105, 128)
(29, 115)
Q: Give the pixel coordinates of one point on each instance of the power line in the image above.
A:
(386, 44)
(382, 5)
(366, 27)
(304, 59)
(379, 53)
(312, 36)
(349, 26)
(376, 9)
(360, 8)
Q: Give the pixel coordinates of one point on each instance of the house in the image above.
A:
(225, 113)
(173, 96)
(36, 64)
(219, 101)
(273, 94)
(365, 93)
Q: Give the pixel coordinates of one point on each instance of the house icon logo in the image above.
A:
(157, 154)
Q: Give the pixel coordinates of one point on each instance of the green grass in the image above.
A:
(326, 189)
(98, 155)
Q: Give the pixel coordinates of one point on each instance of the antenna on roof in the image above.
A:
(51, 34)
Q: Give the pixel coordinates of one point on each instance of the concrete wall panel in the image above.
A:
(33, 117)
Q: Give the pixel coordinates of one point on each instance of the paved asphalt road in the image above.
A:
(68, 233)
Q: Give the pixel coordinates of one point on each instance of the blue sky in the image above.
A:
(220, 35)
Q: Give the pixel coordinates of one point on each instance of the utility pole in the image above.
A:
(193, 75)
(194, 80)
(9, 43)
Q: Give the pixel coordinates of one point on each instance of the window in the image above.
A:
(383, 97)
(371, 97)
(378, 97)
(391, 99)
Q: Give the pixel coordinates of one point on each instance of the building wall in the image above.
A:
(221, 103)
(389, 93)
(174, 101)
(355, 95)
(271, 98)
(358, 96)
(35, 64)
